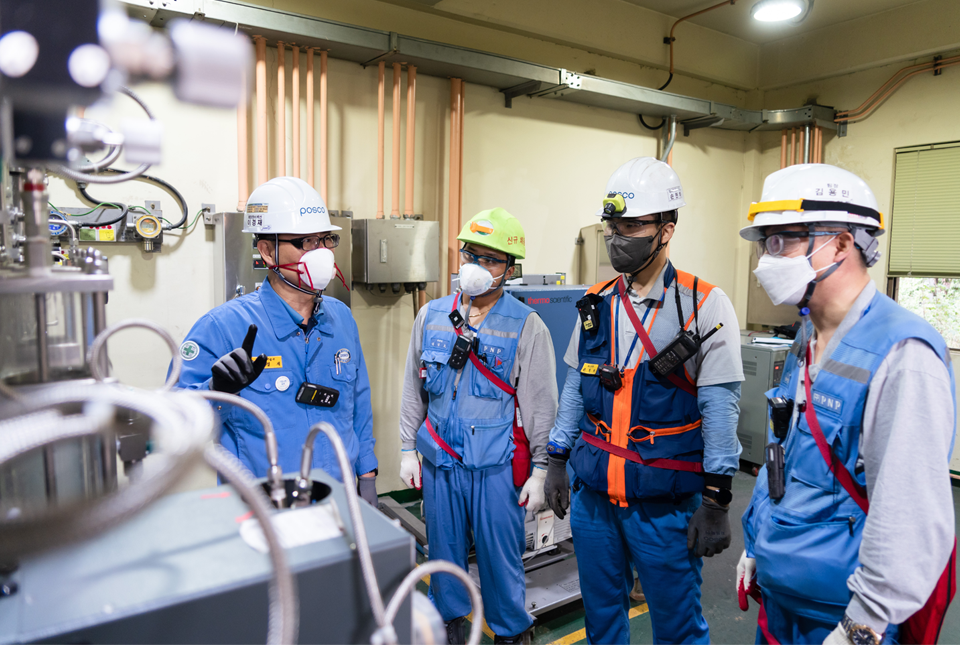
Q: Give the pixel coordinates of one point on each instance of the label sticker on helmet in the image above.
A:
(674, 194)
(254, 221)
(189, 350)
(256, 208)
(483, 227)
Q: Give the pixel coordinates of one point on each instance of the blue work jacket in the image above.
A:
(329, 354)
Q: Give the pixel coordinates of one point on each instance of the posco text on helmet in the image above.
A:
(496, 229)
(813, 194)
(286, 205)
(642, 186)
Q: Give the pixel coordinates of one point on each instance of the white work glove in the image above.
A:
(531, 495)
(410, 469)
(838, 637)
(746, 572)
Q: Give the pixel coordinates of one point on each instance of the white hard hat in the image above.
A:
(642, 186)
(286, 205)
(813, 193)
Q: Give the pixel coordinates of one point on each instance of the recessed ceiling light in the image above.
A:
(779, 10)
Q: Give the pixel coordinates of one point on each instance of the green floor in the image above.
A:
(727, 623)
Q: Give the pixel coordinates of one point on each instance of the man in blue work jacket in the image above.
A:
(309, 366)
(849, 534)
(652, 442)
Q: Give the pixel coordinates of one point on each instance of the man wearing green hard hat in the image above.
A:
(479, 399)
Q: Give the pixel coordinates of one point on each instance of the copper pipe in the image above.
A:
(692, 15)
(295, 105)
(454, 177)
(421, 299)
(281, 110)
(262, 170)
(783, 149)
(815, 149)
(243, 150)
(311, 148)
(931, 65)
(890, 91)
(460, 123)
(395, 196)
(381, 99)
(324, 152)
(793, 146)
(411, 138)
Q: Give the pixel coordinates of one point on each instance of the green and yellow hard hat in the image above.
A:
(496, 229)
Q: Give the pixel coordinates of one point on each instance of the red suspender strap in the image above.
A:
(852, 486)
(645, 338)
(440, 442)
(666, 464)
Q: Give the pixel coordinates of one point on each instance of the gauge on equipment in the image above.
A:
(148, 226)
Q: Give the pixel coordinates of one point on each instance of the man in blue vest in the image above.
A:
(647, 420)
(850, 529)
(479, 397)
(310, 366)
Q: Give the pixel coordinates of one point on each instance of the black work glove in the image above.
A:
(236, 371)
(709, 529)
(367, 489)
(556, 488)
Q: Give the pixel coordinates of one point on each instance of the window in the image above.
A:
(924, 259)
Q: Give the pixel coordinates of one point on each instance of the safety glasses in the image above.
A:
(487, 262)
(786, 242)
(313, 242)
(627, 227)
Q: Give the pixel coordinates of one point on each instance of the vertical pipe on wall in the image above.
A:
(381, 99)
(295, 105)
(783, 149)
(411, 139)
(818, 144)
(311, 148)
(793, 146)
(395, 185)
(460, 121)
(454, 180)
(262, 171)
(323, 126)
(806, 143)
(243, 148)
(281, 110)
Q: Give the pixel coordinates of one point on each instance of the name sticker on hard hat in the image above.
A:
(589, 368)
(256, 208)
(274, 362)
(189, 350)
(282, 383)
(674, 194)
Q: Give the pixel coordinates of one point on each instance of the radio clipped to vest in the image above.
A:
(318, 395)
(776, 480)
(589, 313)
(781, 413)
(461, 352)
(679, 351)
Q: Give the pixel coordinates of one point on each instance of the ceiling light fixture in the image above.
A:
(780, 10)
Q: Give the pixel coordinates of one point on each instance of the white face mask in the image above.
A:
(785, 279)
(316, 269)
(475, 280)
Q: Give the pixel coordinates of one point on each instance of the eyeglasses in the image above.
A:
(626, 227)
(786, 242)
(314, 242)
(487, 262)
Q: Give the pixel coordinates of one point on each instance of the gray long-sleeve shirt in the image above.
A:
(536, 391)
(908, 428)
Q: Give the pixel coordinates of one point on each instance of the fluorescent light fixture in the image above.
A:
(780, 10)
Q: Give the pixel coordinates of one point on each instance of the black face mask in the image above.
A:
(631, 254)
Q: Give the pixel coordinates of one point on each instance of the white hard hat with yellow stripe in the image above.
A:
(813, 194)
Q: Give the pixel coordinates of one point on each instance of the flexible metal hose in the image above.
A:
(283, 624)
(408, 584)
(278, 492)
(359, 530)
(183, 424)
(100, 344)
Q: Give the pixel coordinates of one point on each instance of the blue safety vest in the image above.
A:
(807, 543)
(469, 413)
(648, 416)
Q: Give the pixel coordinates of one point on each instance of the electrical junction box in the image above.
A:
(395, 251)
(762, 369)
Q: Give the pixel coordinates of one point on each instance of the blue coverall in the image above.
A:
(327, 353)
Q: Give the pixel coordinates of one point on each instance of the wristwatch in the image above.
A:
(721, 496)
(557, 450)
(860, 634)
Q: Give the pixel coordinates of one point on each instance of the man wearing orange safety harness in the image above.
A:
(647, 419)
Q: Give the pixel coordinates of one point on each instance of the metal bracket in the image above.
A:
(394, 49)
(842, 129)
(701, 122)
(571, 80)
(210, 215)
(524, 89)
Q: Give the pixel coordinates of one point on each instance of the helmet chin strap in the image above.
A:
(653, 256)
(805, 301)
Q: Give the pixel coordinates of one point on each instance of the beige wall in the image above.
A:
(546, 161)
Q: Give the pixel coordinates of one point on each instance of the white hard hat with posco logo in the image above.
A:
(814, 194)
(286, 205)
(642, 186)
